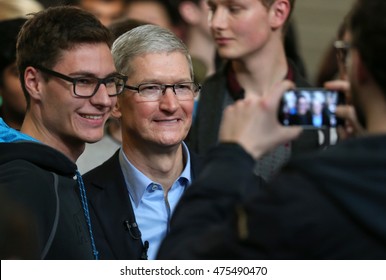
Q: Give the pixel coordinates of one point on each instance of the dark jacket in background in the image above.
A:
(327, 205)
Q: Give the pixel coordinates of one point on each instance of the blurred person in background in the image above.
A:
(249, 36)
(13, 107)
(105, 10)
(158, 12)
(196, 33)
(18, 8)
(347, 112)
(332, 64)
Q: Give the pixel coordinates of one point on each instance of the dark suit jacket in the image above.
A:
(114, 225)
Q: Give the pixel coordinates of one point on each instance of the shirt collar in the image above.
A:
(187, 171)
(137, 182)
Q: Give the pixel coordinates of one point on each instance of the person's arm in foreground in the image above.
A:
(202, 223)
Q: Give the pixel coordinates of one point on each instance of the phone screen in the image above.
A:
(310, 107)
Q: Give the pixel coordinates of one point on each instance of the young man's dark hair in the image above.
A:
(64, 28)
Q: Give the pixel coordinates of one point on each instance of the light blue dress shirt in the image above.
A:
(152, 209)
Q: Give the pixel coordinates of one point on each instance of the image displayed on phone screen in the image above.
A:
(310, 107)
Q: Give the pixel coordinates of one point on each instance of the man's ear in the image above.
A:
(189, 12)
(33, 82)
(116, 112)
(278, 13)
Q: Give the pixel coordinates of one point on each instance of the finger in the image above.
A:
(277, 93)
(344, 111)
(340, 85)
(290, 133)
(342, 133)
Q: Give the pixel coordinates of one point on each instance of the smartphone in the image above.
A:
(312, 108)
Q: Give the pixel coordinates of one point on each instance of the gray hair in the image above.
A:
(146, 39)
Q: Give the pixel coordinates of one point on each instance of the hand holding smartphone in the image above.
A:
(312, 108)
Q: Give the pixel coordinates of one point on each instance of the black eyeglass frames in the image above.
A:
(88, 86)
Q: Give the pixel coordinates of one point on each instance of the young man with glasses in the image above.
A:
(326, 205)
(70, 83)
(134, 193)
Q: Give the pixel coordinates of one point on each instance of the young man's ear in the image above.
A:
(278, 13)
(116, 112)
(33, 82)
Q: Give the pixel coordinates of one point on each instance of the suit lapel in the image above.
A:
(112, 208)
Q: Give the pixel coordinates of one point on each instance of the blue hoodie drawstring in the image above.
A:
(83, 196)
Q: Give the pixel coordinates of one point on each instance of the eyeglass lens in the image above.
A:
(182, 91)
(88, 86)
